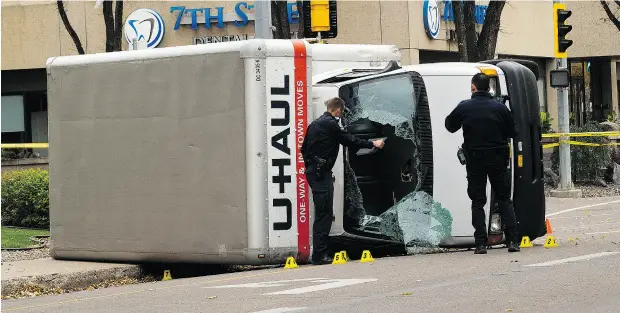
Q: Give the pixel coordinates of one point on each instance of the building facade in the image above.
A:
(32, 31)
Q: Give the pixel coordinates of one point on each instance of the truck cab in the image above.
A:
(413, 193)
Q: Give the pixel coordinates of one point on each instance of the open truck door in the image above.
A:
(374, 188)
(528, 183)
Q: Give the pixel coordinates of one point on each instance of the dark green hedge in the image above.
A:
(587, 163)
(25, 198)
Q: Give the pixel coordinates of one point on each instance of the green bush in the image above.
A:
(25, 198)
(14, 154)
(587, 162)
(545, 122)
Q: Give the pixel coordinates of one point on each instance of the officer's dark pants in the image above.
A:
(492, 164)
(323, 196)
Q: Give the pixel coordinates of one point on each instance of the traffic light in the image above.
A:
(319, 16)
(560, 29)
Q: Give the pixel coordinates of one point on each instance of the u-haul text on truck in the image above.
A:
(288, 119)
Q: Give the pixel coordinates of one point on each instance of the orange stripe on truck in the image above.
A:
(301, 123)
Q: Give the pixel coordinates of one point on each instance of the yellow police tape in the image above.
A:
(44, 145)
(590, 134)
(581, 143)
(549, 145)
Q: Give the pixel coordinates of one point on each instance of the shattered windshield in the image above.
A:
(388, 101)
(389, 192)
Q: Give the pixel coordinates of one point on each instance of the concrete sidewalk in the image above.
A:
(47, 273)
(48, 266)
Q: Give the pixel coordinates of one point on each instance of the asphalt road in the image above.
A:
(581, 275)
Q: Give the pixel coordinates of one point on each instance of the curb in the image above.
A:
(27, 228)
(70, 282)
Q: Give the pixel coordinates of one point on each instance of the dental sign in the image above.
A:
(431, 18)
(431, 15)
(243, 14)
(144, 25)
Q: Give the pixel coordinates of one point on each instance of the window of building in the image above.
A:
(13, 118)
(433, 56)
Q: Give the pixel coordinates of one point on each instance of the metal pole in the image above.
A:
(262, 19)
(563, 126)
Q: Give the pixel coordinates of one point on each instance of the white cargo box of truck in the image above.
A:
(184, 154)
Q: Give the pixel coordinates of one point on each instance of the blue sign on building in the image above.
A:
(479, 13)
(244, 13)
(431, 18)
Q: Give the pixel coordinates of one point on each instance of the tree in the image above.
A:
(70, 30)
(613, 17)
(279, 19)
(474, 47)
(300, 10)
(113, 25)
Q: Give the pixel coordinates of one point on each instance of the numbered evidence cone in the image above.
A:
(550, 242)
(526, 243)
(291, 263)
(339, 259)
(366, 257)
(345, 255)
(167, 275)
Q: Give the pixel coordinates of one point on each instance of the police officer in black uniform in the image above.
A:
(487, 125)
(320, 150)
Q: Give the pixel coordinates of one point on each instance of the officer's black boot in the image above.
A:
(480, 249)
(324, 260)
(513, 244)
(513, 247)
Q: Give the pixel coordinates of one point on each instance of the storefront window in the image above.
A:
(13, 114)
(579, 106)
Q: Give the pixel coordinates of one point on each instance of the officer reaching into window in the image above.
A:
(320, 150)
(487, 125)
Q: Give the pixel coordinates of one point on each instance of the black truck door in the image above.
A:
(529, 194)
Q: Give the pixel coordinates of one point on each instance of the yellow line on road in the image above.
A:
(153, 289)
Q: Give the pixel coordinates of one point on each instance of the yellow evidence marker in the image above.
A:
(366, 257)
(526, 243)
(291, 263)
(339, 259)
(550, 242)
(345, 255)
(167, 275)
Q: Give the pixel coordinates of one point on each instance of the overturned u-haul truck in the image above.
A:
(191, 154)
